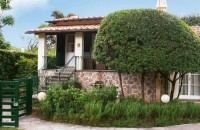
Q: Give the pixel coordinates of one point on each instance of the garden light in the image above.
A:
(165, 98)
(41, 96)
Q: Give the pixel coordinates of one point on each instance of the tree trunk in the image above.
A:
(142, 85)
(172, 91)
(173, 86)
(182, 76)
(166, 83)
(120, 81)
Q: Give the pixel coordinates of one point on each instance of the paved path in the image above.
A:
(33, 123)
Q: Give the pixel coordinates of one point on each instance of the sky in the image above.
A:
(29, 14)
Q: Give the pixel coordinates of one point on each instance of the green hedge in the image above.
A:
(16, 64)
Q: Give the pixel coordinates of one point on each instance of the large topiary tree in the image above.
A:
(147, 40)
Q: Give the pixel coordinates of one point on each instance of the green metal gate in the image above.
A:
(15, 101)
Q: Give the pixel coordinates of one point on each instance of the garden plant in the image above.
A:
(100, 107)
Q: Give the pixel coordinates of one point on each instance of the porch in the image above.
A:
(72, 49)
(74, 52)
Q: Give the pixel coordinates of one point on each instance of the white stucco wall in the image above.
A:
(42, 51)
(79, 49)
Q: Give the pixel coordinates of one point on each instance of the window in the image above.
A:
(70, 43)
(191, 85)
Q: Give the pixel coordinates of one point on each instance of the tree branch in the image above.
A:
(165, 76)
(180, 76)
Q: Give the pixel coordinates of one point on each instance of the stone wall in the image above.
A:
(131, 83)
(45, 73)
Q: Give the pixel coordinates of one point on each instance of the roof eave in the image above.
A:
(60, 31)
(81, 19)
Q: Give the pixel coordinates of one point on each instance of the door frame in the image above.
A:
(69, 55)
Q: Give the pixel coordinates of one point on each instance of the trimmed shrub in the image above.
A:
(147, 40)
(16, 64)
(26, 66)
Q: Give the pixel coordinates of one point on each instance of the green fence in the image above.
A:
(15, 100)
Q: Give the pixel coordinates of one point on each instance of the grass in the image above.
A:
(128, 113)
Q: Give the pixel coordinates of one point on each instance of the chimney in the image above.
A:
(161, 5)
(72, 15)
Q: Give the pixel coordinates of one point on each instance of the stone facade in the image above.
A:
(45, 73)
(131, 83)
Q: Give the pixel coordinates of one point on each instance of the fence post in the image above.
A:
(29, 96)
(17, 107)
(0, 104)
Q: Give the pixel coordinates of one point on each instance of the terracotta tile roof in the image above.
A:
(75, 18)
(65, 29)
(196, 29)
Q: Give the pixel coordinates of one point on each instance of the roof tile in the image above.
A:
(65, 28)
(76, 18)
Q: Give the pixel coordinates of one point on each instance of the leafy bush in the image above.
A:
(26, 66)
(103, 95)
(3, 44)
(51, 62)
(98, 107)
(60, 102)
(70, 83)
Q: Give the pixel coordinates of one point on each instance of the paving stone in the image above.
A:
(184, 127)
(154, 128)
(32, 123)
(126, 128)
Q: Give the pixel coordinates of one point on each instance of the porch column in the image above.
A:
(42, 51)
(79, 50)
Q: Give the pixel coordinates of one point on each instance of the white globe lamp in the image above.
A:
(41, 96)
(165, 98)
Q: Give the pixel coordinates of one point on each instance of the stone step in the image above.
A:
(55, 78)
(63, 74)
